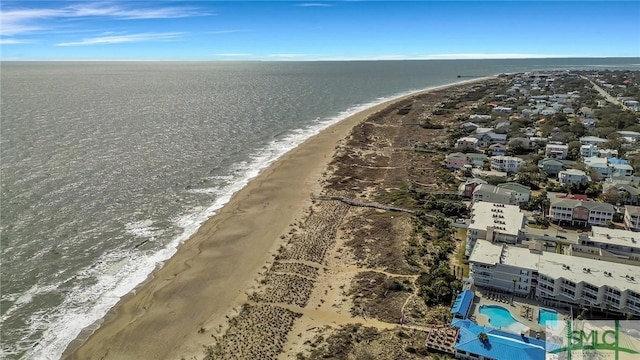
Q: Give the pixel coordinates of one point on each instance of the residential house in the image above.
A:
(573, 176)
(466, 189)
(489, 174)
(468, 142)
(585, 111)
(551, 166)
(497, 149)
(607, 153)
(628, 194)
(586, 140)
(523, 193)
(622, 243)
(599, 166)
(494, 194)
(589, 150)
(480, 117)
(469, 126)
(558, 151)
(632, 217)
(502, 110)
(525, 143)
(629, 136)
(620, 167)
(502, 125)
(580, 213)
(491, 137)
(456, 160)
(509, 164)
(477, 159)
(589, 122)
(529, 132)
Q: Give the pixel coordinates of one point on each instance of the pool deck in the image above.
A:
(519, 308)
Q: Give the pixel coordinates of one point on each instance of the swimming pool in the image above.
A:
(501, 318)
(545, 315)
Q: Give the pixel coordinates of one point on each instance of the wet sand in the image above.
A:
(209, 278)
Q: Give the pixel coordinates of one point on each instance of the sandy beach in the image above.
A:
(272, 261)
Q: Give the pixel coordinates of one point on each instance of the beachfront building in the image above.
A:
(623, 243)
(509, 164)
(494, 194)
(632, 218)
(573, 176)
(523, 193)
(466, 189)
(557, 151)
(468, 142)
(579, 212)
(556, 278)
(496, 223)
(456, 160)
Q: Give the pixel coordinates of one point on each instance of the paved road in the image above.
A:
(606, 95)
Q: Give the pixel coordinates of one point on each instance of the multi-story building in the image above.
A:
(632, 218)
(494, 194)
(586, 140)
(551, 166)
(589, 150)
(496, 223)
(623, 243)
(580, 213)
(556, 278)
(558, 151)
(523, 193)
(508, 164)
(456, 160)
(573, 176)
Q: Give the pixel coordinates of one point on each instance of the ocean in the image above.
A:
(106, 167)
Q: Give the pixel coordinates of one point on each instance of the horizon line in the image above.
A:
(436, 58)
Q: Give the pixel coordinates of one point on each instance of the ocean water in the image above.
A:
(107, 167)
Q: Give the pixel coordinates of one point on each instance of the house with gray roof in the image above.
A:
(551, 166)
(523, 193)
(632, 217)
(494, 194)
(573, 176)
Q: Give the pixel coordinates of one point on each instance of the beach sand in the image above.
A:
(221, 272)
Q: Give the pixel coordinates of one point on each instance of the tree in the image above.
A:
(514, 289)
(483, 337)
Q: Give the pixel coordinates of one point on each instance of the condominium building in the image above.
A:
(558, 278)
(496, 223)
(623, 243)
(580, 213)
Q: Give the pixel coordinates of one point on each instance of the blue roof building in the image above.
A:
(500, 345)
(462, 305)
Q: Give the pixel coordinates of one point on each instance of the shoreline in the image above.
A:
(204, 281)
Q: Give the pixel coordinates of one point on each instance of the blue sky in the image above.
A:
(316, 30)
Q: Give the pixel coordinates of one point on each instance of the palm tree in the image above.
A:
(483, 337)
(514, 289)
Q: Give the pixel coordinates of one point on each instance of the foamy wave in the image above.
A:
(142, 228)
(118, 273)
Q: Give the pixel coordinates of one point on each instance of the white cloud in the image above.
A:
(19, 21)
(11, 41)
(119, 39)
(218, 32)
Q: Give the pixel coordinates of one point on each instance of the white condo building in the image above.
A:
(495, 223)
(556, 278)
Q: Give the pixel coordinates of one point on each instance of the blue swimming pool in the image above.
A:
(545, 315)
(499, 317)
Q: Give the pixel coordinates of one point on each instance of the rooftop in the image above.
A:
(501, 345)
(558, 265)
(614, 236)
(591, 205)
(506, 219)
(632, 210)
